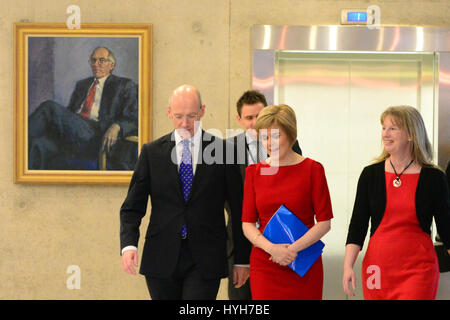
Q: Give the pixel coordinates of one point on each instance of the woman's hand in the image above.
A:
(351, 253)
(282, 254)
(349, 276)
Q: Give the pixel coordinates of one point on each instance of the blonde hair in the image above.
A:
(280, 115)
(409, 119)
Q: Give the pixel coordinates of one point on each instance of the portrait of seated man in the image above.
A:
(96, 131)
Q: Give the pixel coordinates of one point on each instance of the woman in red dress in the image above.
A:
(285, 178)
(399, 194)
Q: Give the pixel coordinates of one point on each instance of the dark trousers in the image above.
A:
(55, 131)
(242, 293)
(186, 283)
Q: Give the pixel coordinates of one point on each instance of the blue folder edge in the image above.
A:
(286, 227)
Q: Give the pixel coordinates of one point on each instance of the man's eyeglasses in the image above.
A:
(100, 60)
(191, 116)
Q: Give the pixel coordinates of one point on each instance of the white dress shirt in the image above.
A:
(194, 144)
(97, 99)
(252, 151)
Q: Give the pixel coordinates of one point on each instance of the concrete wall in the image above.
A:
(206, 43)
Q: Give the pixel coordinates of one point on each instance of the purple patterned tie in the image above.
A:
(186, 176)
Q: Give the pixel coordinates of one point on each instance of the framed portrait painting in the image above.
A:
(82, 102)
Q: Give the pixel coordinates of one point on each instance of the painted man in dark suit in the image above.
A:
(187, 177)
(249, 151)
(102, 110)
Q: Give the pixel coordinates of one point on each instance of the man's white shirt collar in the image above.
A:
(101, 81)
(249, 138)
(194, 143)
(253, 149)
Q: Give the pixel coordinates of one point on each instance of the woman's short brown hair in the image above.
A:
(280, 115)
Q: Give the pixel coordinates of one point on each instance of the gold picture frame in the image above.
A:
(49, 60)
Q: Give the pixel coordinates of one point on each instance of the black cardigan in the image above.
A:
(432, 199)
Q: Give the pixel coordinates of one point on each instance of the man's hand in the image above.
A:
(110, 137)
(240, 275)
(129, 258)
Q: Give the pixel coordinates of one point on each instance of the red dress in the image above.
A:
(303, 189)
(400, 261)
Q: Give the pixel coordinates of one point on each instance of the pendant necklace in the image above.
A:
(397, 182)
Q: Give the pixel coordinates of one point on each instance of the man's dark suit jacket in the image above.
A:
(156, 175)
(119, 103)
(447, 172)
(61, 127)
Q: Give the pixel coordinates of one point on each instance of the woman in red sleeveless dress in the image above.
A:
(298, 183)
(403, 253)
(400, 194)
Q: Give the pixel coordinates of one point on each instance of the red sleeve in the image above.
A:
(249, 212)
(320, 193)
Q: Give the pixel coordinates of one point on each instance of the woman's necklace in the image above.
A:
(397, 182)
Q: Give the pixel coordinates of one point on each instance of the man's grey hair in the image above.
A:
(111, 55)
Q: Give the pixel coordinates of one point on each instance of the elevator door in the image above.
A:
(338, 99)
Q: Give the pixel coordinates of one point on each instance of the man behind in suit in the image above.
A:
(102, 109)
(184, 254)
(249, 151)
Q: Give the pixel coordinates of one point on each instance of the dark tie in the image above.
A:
(87, 106)
(186, 176)
(258, 153)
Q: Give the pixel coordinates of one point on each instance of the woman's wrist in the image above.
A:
(267, 247)
(255, 238)
(292, 248)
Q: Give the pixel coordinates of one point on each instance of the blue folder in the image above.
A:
(286, 227)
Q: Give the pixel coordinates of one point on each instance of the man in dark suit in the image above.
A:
(188, 180)
(102, 110)
(249, 151)
(447, 172)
